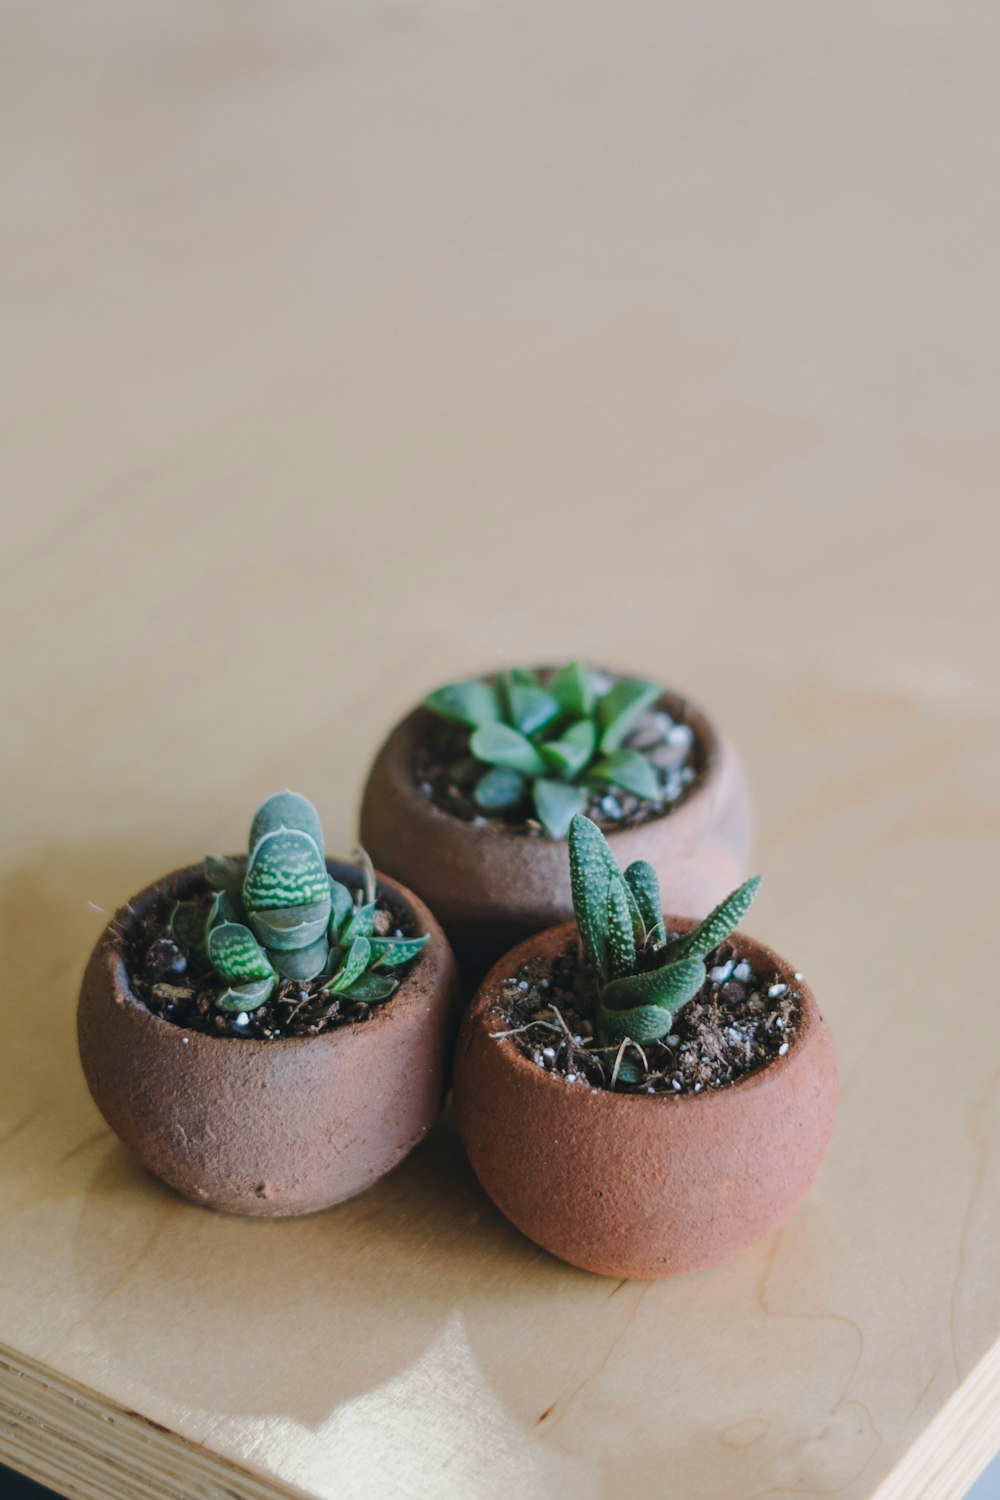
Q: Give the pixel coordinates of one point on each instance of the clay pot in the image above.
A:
(633, 1184)
(492, 885)
(270, 1128)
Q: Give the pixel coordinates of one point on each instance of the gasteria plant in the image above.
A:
(643, 978)
(279, 915)
(551, 740)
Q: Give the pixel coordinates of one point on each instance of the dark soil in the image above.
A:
(732, 1027)
(446, 774)
(183, 990)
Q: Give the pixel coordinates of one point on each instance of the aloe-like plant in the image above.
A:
(643, 977)
(551, 740)
(279, 914)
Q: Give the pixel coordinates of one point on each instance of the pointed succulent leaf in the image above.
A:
(303, 963)
(245, 997)
(371, 988)
(224, 873)
(644, 884)
(642, 1024)
(470, 703)
(573, 750)
(621, 933)
(531, 708)
(717, 925)
(222, 908)
(354, 965)
(284, 928)
(632, 771)
(621, 706)
(285, 868)
(342, 904)
(574, 686)
(557, 803)
(187, 928)
(236, 955)
(499, 745)
(390, 953)
(669, 987)
(499, 788)
(361, 924)
(286, 810)
(591, 867)
(524, 677)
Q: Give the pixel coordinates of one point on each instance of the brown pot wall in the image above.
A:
(268, 1128)
(491, 886)
(642, 1185)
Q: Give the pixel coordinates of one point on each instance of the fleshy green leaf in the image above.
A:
(631, 770)
(572, 751)
(499, 745)
(573, 685)
(668, 988)
(236, 955)
(285, 928)
(246, 997)
(500, 787)
(717, 925)
(343, 906)
(621, 706)
(592, 868)
(303, 963)
(645, 887)
(621, 933)
(557, 803)
(524, 677)
(222, 908)
(285, 868)
(354, 965)
(644, 1023)
(187, 928)
(531, 708)
(371, 988)
(362, 924)
(287, 810)
(390, 953)
(472, 703)
(226, 874)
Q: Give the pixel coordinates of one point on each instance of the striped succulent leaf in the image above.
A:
(287, 810)
(246, 997)
(388, 953)
(285, 868)
(354, 965)
(187, 928)
(644, 883)
(717, 925)
(302, 963)
(235, 953)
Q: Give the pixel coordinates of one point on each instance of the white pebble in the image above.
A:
(743, 972)
(570, 1077)
(681, 734)
(697, 1088)
(721, 972)
(782, 1049)
(675, 1085)
(776, 991)
(797, 974)
(650, 1089)
(241, 1018)
(522, 984)
(673, 1039)
(549, 1052)
(185, 1040)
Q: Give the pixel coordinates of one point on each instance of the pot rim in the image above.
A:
(708, 737)
(554, 939)
(112, 957)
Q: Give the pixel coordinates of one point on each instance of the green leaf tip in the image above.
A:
(287, 810)
(718, 924)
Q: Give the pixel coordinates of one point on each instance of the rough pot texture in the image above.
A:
(269, 1128)
(642, 1185)
(492, 885)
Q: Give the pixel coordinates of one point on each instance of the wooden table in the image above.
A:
(350, 347)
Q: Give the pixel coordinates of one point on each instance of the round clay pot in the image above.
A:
(491, 885)
(642, 1185)
(270, 1128)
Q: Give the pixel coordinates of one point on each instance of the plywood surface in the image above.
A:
(348, 348)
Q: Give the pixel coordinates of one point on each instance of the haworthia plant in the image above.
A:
(279, 914)
(643, 979)
(546, 742)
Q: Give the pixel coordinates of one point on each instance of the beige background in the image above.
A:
(353, 346)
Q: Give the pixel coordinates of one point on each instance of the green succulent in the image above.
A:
(279, 914)
(643, 978)
(551, 740)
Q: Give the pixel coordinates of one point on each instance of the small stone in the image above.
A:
(611, 807)
(675, 1085)
(797, 974)
(697, 1088)
(549, 1052)
(570, 1077)
(673, 1039)
(743, 972)
(732, 992)
(776, 991)
(681, 734)
(782, 1049)
(185, 1040)
(721, 972)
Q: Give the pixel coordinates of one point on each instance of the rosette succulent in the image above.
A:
(643, 977)
(546, 742)
(279, 914)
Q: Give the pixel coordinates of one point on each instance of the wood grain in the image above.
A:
(351, 347)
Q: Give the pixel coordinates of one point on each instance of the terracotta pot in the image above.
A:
(492, 885)
(269, 1128)
(634, 1184)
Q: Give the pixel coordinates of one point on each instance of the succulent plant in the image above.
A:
(643, 976)
(551, 740)
(279, 914)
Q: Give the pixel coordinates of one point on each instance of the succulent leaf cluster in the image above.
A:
(279, 914)
(551, 740)
(643, 977)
